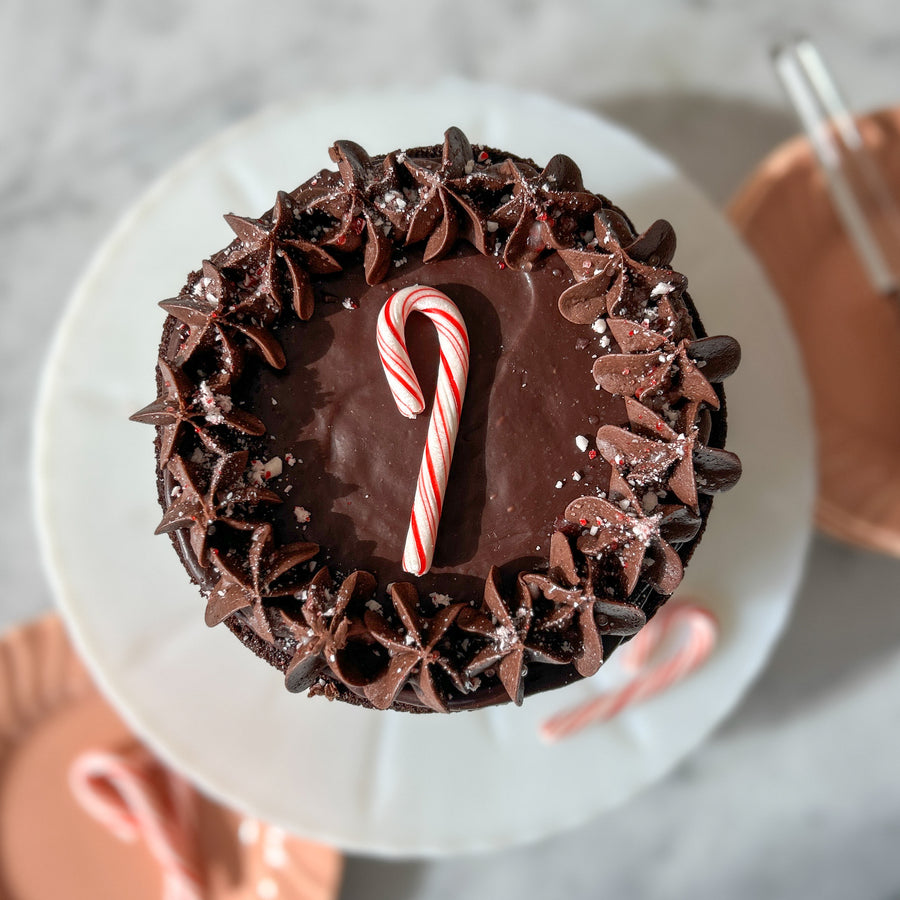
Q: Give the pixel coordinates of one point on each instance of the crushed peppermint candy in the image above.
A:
(604, 341)
(646, 529)
(559, 484)
(506, 637)
(576, 476)
(350, 303)
(263, 471)
(215, 405)
(440, 599)
(581, 442)
(599, 325)
(395, 198)
(301, 515)
(662, 288)
(290, 459)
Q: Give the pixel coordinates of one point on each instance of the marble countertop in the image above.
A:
(798, 794)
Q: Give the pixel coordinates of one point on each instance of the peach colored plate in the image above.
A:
(50, 849)
(848, 334)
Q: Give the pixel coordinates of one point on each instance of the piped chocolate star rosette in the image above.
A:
(589, 446)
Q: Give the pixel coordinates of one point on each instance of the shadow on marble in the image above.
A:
(365, 878)
(715, 141)
(845, 624)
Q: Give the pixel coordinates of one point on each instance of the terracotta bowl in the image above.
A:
(848, 334)
(50, 848)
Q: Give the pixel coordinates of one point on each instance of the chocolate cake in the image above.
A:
(589, 444)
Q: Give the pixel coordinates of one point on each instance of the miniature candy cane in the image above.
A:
(701, 632)
(444, 424)
(135, 797)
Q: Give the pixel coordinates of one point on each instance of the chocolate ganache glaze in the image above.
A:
(589, 443)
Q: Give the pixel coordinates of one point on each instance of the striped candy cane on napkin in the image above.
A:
(699, 629)
(444, 425)
(135, 797)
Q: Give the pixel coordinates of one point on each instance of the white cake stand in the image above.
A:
(389, 783)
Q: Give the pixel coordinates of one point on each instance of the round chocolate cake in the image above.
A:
(586, 441)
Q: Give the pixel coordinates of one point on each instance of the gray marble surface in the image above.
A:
(798, 794)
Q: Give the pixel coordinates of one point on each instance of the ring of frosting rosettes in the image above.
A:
(613, 557)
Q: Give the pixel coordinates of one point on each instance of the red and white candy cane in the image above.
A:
(444, 425)
(700, 631)
(135, 797)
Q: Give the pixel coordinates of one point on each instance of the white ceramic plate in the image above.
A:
(390, 783)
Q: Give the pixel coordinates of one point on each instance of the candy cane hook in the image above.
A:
(444, 425)
(701, 630)
(135, 797)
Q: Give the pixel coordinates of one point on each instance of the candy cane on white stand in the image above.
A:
(444, 425)
(700, 630)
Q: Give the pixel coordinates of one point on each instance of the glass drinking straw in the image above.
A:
(862, 198)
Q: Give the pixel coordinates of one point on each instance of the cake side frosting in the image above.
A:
(611, 554)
